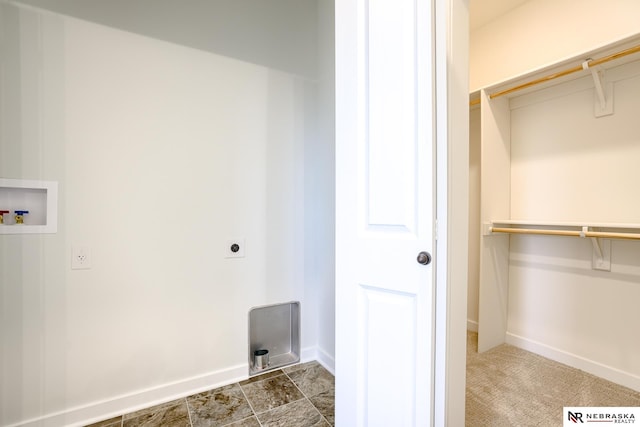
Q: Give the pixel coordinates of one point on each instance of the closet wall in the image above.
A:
(564, 164)
(568, 165)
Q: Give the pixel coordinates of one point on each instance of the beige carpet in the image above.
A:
(507, 386)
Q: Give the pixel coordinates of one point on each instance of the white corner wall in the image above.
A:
(321, 165)
(162, 153)
(540, 33)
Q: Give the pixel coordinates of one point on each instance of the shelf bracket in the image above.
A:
(601, 257)
(603, 105)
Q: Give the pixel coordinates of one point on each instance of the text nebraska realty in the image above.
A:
(615, 418)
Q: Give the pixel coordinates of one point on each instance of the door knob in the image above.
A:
(424, 258)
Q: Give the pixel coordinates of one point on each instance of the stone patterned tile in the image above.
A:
(219, 407)
(271, 393)
(170, 414)
(299, 366)
(325, 403)
(312, 378)
(111, 422)
(262, 377)
(247, 422)
(276, 397)
(297, 414)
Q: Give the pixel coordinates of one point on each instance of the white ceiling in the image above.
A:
(483, 11)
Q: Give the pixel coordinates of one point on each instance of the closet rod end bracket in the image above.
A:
(601, 256)
(487, 228)
(603, 103)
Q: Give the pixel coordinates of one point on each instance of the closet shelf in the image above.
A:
(587, 64)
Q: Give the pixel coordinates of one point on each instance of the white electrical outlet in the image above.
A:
(80, 258)
(234, 248)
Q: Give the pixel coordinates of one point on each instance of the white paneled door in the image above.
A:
(385, 213)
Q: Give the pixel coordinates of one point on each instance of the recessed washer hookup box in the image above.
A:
(274, 336)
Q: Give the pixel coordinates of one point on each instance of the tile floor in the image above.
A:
(296, 396)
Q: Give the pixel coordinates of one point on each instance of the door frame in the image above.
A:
(452, 204)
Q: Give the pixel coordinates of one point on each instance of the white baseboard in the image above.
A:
(321, 356)
(327, 360)
(598, 369)
(472, 325)
(127, 403)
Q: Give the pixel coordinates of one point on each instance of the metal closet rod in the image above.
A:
(601, 234)
(590, 63)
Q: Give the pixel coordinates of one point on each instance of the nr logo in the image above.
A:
(575, 417)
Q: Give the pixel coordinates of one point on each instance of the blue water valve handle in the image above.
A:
(20, 216)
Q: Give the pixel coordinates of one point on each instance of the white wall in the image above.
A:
(278, 34)
(585, 168)
(544, 32)
(162, 153)
(568, 165)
